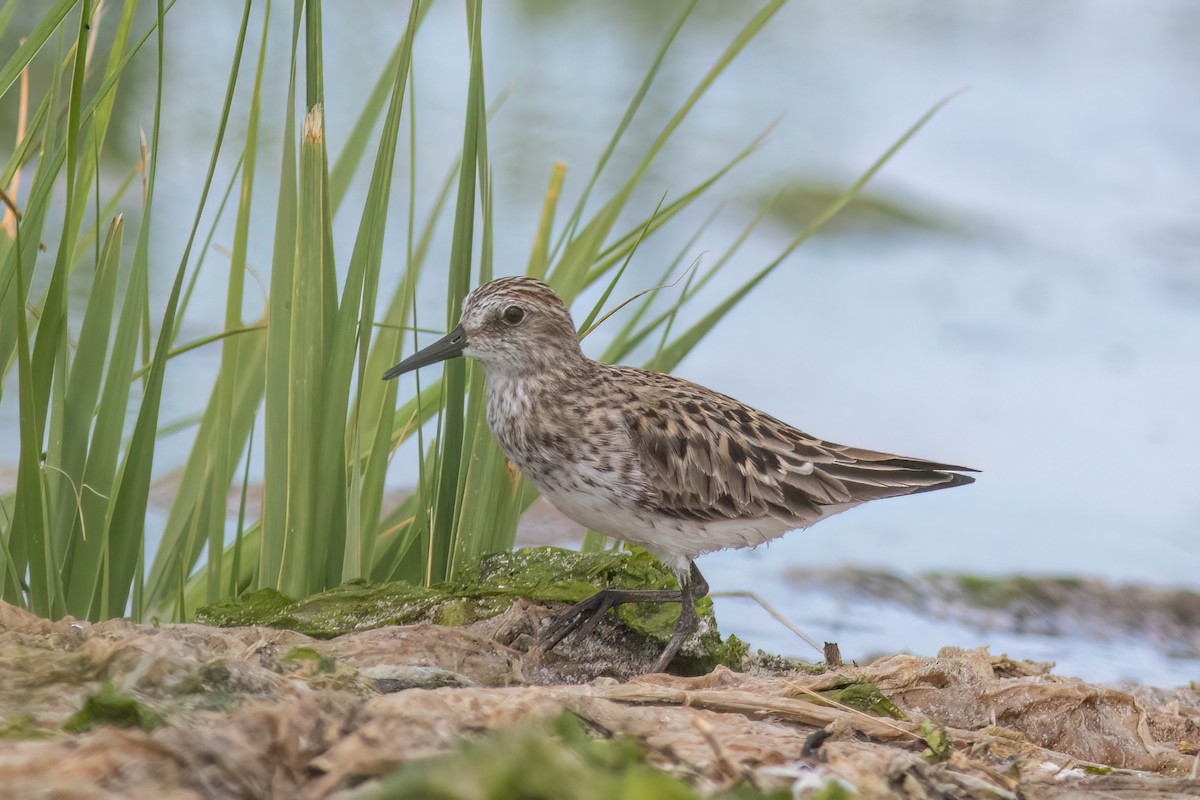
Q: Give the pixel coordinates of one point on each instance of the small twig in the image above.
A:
(801, 711)
(12, 205)
(12, 214)
(981, 786)
(770, 609)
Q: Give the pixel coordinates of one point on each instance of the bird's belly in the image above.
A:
(585, 495)
(673, 540)
(599, 512)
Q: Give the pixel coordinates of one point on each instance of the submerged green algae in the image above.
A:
(1002, 593)
(542, 574)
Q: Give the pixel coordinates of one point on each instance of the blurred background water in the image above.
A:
(1024, 298)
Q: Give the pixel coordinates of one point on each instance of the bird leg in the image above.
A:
(585, 615)
(692, 588)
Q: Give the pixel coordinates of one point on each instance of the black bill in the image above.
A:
(449, 346)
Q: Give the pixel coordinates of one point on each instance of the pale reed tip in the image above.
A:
(314, 124)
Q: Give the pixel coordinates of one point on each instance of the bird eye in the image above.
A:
(513, 314)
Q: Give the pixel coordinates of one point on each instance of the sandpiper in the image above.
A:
(649, 458)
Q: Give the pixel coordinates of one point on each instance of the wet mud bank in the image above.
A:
(418, 707)
(1166, 618)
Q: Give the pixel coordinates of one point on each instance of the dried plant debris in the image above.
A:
(424, 710)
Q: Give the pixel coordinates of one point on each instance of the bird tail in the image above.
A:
(871, 475)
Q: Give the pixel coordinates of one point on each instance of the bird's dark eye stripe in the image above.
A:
(514, 314)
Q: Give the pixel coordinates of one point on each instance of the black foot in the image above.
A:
(584, 616)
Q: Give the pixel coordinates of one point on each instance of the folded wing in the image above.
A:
(710, 457)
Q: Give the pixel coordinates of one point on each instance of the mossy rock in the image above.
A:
(110, 707)
(866, 697)
(23, 726)
(1004, 593)
(543, 574)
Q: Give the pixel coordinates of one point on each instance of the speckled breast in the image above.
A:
(560, 444)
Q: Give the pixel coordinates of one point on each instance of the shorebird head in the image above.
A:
(518, 324)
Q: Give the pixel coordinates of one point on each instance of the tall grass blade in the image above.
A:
(28, 522)
(539, 259)
(278, 381)
(453, 434)
(355, 320)
(49, 350)
(127, 513)
(194, 510)
(82, 396)
(34, 40)
(669, 357)
(308, 334)
(227, 437)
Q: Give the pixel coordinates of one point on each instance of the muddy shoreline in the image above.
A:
(117, 709)
(1167, 618)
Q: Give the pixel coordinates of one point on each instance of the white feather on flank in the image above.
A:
(676, 542)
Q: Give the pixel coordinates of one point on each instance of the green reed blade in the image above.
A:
(631, 110)
(182, 540)
(453, 434)
(33, 43)
(308, 335)
(278, 381)
(127, 513)
(539, 258)
(670, 356)
(80, 403)
(354, 321)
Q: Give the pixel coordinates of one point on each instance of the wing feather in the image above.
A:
(708, 457)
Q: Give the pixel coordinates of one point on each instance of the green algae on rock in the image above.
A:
(940, 745)
(866, 697)
(322, 671)
(23, 725)
(110, 707)
(554, 759)
(542, 574)
(318, 664)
